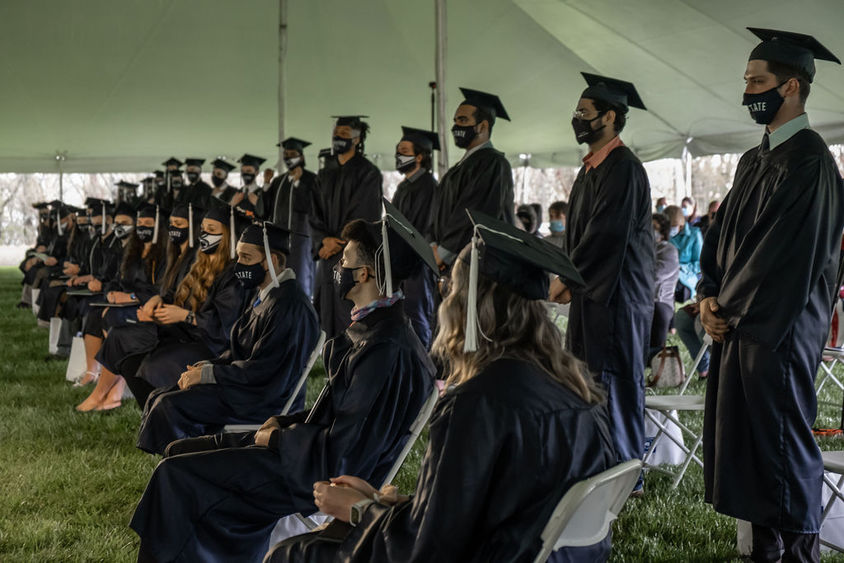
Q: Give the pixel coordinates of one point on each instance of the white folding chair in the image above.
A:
(663, 411)
(833, 462)
(318, 518)
(302, 378)
(55, 331)
(831, 357)
(35, 306)
(77, 364)
(587, 510)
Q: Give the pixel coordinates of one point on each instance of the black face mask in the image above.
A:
(341, 145)
(292, 163)
(93, 230)
(193, 177)
(217, 181)
(463, 136)
(763, 107)
(583, 132)
(176, 184)
(247, 178)
(249, 276)
(144, 233)
(208, 243)
(344, 280)
(405, 163)
(122, 231)
(160, 182)
(178, 234)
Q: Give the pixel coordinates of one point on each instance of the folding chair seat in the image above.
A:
(585, 513)
(302, 379)
(833, 462)
(663, 411)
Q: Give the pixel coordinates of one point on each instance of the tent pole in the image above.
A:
(439, 67)
(282, 71)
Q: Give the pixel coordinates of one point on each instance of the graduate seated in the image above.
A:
(557, 223)
(520, 422)
(31, 257)
(254, 378)
(219, 497)
(193, 326)
(667, 272)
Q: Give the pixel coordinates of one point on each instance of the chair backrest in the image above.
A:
(415, 429)
(707, 342)
(584, 514)
(306, 372)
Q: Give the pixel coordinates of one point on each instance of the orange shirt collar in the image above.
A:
(593, 160)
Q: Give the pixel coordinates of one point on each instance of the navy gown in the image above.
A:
(249, 382)
(770, 258)
(222, 504)
(343, 193)
(610, 240)
(413, 199)
(504, 448)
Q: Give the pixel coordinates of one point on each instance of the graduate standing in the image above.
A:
(609, 237)
(413, 199)
(480, 181)
(245, 200)
(769, 264)
(219, 176)
(288, 203)
(349, 187)
(197, 191)
(222, 504)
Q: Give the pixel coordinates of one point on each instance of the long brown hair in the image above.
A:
(194, 288)
(512, 327)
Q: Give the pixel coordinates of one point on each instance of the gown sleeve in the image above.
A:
(216, 319)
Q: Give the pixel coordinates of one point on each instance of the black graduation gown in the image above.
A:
(289, 207)
(222, 505)
(482, 182)
(504, 447)
(199, 194)
(226, 195)
(103, 262)
(343, 193)
(182, 344)
(413, 199)
(51, 295)
(610, 240)
(270, 346)
(770, 258)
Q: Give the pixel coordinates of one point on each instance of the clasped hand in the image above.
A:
(715, 326)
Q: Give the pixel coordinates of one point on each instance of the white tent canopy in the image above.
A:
(121, 85)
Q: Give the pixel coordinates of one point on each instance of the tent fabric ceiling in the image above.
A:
(122, 85)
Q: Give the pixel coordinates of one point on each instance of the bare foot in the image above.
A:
(102, 394)
(114, 397)
(92, 402)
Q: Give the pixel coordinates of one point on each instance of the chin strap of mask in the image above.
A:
(270, 266)
(190, 224)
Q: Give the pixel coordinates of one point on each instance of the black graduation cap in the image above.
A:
(293, 144)
(353, 121)
(251, 160)
(194, 161)
(159, 173)
(124, 209)
(125, 184)
(426, 140)
(515, 259)
(490, 102)
(173, 161)
(413, 243)
(78, 210)
(41, 205)
(612, 91)
(146, 210)
(218, 213)
(62, 208)
(147, 180)
(277, 237)
(792, 49)
(223, 165)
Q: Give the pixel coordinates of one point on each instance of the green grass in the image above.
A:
(69, 482)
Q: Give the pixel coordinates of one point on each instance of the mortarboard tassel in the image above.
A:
(155, 229)
(269, 258)
(59, 220)
(388, 267)
(103, 226)
(232, 241)
(471, 341)
(190, 224)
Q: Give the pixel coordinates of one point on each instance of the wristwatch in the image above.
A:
(358, 510)
(189, 318)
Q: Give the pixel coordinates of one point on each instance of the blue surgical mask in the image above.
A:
(557, 226)
(674, 232)
(687, 211)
